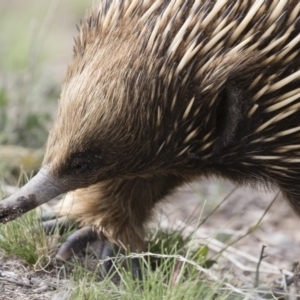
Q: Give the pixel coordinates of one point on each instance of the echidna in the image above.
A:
(162, 92)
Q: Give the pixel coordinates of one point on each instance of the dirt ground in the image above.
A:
(244, 207)
(278, 231)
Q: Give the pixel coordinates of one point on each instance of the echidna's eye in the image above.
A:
(83, 163)
(79, 166)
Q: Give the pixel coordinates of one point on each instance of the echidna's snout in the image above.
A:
(40, 189)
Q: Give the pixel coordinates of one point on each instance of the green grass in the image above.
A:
(172, 280)
(24, 238)
(170, 270)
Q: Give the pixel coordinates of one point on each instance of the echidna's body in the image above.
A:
(161, 92)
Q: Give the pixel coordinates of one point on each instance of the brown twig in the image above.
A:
(261, 257)
(16, 282)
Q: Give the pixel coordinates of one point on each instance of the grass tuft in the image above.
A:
(25, 239)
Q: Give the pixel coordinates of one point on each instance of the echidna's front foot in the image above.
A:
(88, 239)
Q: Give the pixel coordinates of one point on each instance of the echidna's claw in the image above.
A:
(76, 242)
(136, 268)
(104, 250)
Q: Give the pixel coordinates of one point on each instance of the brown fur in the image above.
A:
(119, 208)
(161, 92)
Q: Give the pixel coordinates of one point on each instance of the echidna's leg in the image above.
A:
(117, 209)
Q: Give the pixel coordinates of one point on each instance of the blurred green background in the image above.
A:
(36, 41)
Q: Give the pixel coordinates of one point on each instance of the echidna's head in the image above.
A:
(106, 126)
(98, 127)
